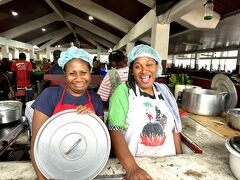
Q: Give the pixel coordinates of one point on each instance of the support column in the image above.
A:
(32, 54)
(197, 57)
(15, 53)
(5, 51)
(129, 47)
(160, 40)
(48, 52)
(174, 61)
(238, 62)
(98, 52)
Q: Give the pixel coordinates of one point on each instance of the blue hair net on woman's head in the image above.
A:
(74, 53)
(145, 51)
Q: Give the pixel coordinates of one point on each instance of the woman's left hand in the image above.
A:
(83, 109)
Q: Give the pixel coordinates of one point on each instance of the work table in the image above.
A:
(213, 163)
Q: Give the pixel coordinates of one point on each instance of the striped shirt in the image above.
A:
(105, 90)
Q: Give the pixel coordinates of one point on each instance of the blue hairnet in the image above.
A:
(73, 53)
(145, 51)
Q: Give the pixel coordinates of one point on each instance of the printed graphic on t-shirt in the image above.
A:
(153, 132)
(21, 66)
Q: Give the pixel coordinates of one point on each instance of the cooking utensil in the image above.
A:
(203, 101)
(223, 83)
(10, 111)
(72, 146)
(233, 118)
(234, 158)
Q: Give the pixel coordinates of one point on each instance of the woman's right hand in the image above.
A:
(137, 173)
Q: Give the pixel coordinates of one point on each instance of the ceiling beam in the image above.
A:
(57, 8)
(14, 44)
(180, 9)
(99, 46)
(91, 27)
(102, 14)
(29, 26)
(84, 33)
(149, 3)
(56, 39)
(146, 39)
(147, 22)
(4, 2)
(139, 30)
(49, 36)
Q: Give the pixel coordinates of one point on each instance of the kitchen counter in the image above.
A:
(211, 164)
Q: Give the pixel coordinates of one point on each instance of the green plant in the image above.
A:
(181, 79)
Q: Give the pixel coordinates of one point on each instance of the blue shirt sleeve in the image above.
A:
(47, 100)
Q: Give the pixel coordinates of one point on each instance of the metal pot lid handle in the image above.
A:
(72, 146)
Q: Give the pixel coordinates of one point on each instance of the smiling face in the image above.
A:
(78, 76)
(144, 71)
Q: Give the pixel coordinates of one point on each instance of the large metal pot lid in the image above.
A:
(9, 105)
(223, 83)
(72, 146)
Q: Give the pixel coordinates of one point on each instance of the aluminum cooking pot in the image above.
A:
(233, 118)
(203, 101)
(10, 111)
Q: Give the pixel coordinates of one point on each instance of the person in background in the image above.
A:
(56, 69)
(33, 64)
(22, 70)
(96, 66)
(114, 76)
(77, 65)
(143, 117)
(46, 65)
(4, 84)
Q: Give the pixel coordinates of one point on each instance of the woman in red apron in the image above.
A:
(77, 65)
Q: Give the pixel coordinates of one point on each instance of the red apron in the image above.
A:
(61, 107)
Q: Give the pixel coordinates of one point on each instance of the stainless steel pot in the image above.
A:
(233, 145)
(10, 111)
(203, 101)
(233, 118)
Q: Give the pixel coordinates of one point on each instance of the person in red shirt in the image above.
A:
(22, 70)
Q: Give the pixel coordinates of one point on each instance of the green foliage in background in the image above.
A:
(179, 79)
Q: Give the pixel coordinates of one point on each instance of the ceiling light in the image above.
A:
(43, 29)
(90, 18)
(208, 13)
(14, 13)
